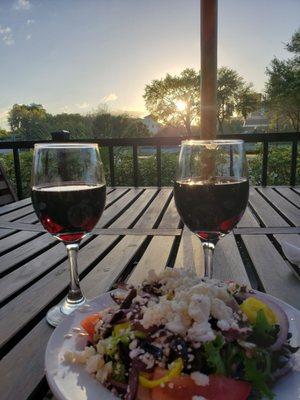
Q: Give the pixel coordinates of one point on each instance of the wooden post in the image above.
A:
(209, 30)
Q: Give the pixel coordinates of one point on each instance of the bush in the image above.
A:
(278, 167)
(7, 161)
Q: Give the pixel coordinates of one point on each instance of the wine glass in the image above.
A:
(68, 194)
(211, 190)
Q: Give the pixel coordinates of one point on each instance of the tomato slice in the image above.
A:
(89, 323)
(219, 388)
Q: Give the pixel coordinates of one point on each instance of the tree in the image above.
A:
(283, 86)
(78, 125)
(4, 134)
(247, 101)
(175, 100)
(28, 121)
(117, 126)
(234, 95)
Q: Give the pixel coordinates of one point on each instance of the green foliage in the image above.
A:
(175, 99)
(78, 125)
(32, 122)
(283, 88)
(278, 167)
(28, 121)
(234, 96)
(4, 134)
(25, 164)
(107, 125)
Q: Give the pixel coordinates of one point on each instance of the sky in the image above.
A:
(79, 55)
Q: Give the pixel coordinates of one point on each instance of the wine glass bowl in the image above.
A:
(211, 189)
(68, 194)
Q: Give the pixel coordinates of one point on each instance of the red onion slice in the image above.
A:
(282, 319)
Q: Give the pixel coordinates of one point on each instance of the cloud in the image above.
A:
(30, 21)
(109, 97)
(29, 36)
(83, 105)
(65, 109)
(22, 5)
(6, 35)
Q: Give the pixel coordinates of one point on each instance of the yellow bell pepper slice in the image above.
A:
(175, 370)
(252, 305)
(119, 328)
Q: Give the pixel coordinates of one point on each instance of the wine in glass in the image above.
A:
(211, 190)
(68, 195)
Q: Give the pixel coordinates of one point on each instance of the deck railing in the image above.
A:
(159, 142)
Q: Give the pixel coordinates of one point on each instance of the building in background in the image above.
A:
(152, 125)
(256, 122)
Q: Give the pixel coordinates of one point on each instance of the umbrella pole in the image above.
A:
(209, 31)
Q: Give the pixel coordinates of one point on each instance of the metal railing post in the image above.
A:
(111, 165)
(158, 164)
(294, 162)
(135, 165)
(264, 175)
(18, 173)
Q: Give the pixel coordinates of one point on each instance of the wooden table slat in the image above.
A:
(275, 276)
(139, 231)
(13, 206)
(19, 213)
(228, 264)
(288, 209)
(17, 239)
(290, 195)
(170, 218)
(265, 212)
(25, 251)
(22, 368)
(190, 253)
(155, 257)
(19, 311)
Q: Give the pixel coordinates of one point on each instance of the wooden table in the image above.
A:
(139, 230)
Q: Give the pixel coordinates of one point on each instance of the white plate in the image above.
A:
(74, 383)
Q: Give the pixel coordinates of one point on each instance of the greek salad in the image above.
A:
(181, 337)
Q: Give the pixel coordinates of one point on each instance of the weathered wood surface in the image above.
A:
(140, 230)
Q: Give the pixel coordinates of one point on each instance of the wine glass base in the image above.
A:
(59, 312)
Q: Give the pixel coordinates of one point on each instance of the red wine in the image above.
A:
(69, 211)
(211, 208)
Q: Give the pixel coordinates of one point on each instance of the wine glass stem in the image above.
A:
(75, 295)
(208, 249)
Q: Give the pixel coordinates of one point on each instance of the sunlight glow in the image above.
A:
(181, 105)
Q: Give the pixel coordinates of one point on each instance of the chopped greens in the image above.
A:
(264, 334)
(213, 355)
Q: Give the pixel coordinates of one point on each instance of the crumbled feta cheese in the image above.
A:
(223, 325)
(219, 310)
(133, 344)
(199, 308)
(94, 363)
(105, 372)
(136, 352)
(200, 379)
(201, 332)
(80, 357)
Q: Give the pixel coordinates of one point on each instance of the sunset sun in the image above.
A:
(181, 105)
